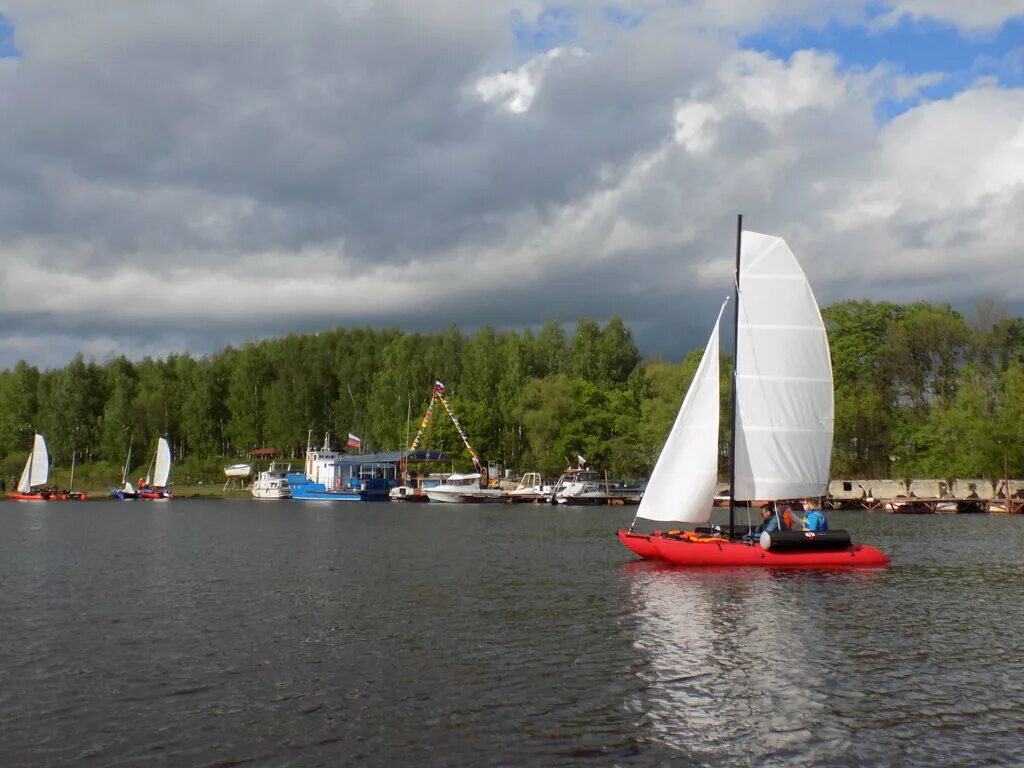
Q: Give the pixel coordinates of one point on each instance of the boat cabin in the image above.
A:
(336, 470)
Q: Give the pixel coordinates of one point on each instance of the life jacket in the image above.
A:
(816, 521)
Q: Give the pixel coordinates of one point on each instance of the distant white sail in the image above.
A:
(40, 462)
(25, 481)
(163, 464)
(682, 485)
(37, 466)
(784, 378)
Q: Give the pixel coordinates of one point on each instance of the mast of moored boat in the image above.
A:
(31, 459)
(408, 431)
(732, 396)
(127, 460)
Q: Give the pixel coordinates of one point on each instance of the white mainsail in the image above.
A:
(783, 378)
(163, 464)
(37, 466)
(682, 485)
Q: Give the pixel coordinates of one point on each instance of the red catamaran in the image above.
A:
(32, 484)
(781, 443)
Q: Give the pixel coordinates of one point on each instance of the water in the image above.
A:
(222, 633)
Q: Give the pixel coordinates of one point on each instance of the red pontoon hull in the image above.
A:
(640, 544)
(721, 552)
(155, 495)
(60, 496)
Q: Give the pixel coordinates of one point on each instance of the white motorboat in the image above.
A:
(238, 470)
(580, 486)
(531, 488)
(415, 488)
(272, 484)
(464, 489)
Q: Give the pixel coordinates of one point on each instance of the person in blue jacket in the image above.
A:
(769, 519)
(815, 521)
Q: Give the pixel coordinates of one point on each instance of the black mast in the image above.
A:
(735, 355)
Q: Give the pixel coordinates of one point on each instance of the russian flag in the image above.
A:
(353, 441)
(438, 386)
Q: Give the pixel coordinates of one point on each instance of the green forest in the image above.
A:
(921, 391)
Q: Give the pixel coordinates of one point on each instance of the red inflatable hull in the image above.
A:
(56, 496)
(155, 495)
(640, 544)
(721, 552)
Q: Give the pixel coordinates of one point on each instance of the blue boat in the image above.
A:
(372, 489)
(334, 476)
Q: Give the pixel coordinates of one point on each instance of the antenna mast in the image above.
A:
(735, 360)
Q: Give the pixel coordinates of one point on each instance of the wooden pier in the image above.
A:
(903, 505)
(929, 496)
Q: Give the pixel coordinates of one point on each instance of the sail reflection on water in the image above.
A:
(736, 662)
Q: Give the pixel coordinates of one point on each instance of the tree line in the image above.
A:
(920, 391)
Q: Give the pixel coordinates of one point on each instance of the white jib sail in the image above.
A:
(37, 466)
(682, 485)
(25, 481)
(163, 464)
(784, 378)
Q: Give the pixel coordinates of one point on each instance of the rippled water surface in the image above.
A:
(221, 633)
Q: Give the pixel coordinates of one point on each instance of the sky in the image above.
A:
(181, 175)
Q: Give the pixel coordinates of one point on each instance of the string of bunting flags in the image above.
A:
(439, 394)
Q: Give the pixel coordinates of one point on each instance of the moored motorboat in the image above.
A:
(272, 483)
(414, 489)
(580, 486)
(781, 437)
(531, 489)
(464, 489)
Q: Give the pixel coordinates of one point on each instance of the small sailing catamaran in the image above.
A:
(126, 491)
(32, 483)
(781, 444)
(155, 484)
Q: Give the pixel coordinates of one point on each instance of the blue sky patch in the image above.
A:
(622, 17)
(912, 48)
(554, 27)
(7, 49)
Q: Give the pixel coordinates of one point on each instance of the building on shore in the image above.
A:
(927, 494)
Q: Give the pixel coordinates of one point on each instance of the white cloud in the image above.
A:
(515, 90)
(979, 16)
(937, 213)
(201, 172)
(906, 87)
(762, 88)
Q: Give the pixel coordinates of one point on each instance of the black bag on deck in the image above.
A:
(805, 541)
